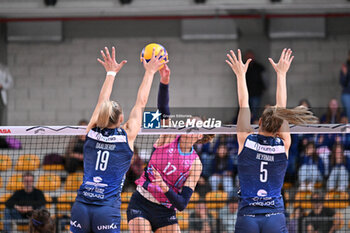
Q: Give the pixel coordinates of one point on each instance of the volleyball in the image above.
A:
(146, 52)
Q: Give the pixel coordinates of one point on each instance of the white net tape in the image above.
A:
(226, 129)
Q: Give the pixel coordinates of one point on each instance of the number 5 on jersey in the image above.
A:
(102, 160)
(263, 172)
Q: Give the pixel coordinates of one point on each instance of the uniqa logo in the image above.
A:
(107, 227)
(75, 224)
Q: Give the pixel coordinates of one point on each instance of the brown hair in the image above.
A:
(273, 116)
(41, 222)
(333, 155)
(109, 114)
(205, 139)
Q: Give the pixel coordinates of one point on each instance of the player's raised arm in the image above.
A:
(112, 68)
(244, 116)
(133, 125)
(281, 69)
(163, 103)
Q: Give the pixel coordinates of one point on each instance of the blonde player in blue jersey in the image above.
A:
(263, 157)
(108, 150)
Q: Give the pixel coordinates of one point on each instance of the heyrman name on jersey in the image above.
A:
(105, 146)
(264, 157)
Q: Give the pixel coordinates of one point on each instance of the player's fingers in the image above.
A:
(160, 55)
(248, 61)
(123, 63)
(103, 55)
(113, 53)
(233, 56)
(291, 59)
(107, 53)
(100, 61)
(272, 62)
(231, 59)
(283, 53)
(153, 53)
(288, 53)
(239, 55)
(229, 63)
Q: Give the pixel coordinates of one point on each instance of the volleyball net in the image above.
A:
(50, 159)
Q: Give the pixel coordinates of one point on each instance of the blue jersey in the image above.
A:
(262, 165)
(107, 157)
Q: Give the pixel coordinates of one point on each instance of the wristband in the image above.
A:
(112, 73)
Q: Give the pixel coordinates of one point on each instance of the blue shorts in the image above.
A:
(158, 215)
(87, 218)
(261, 223)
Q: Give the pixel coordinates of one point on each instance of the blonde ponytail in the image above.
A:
(109, 114)
(272, 117)
(297, 116)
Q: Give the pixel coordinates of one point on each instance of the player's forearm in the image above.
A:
(281, 90)
(242, 91)
(106, 89)
(144, 89)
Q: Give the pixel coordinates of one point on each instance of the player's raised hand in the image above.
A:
(283, 64)
(155, 63)
(236, 64)
(165, 74)
(158, 180)
(109, 62)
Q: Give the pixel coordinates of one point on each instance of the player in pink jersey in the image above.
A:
(170, 177)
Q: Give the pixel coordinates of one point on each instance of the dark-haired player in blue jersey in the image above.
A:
(108, 150)
(263, 157)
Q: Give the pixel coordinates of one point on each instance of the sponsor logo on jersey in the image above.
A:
(262, 193)
(107, 227)
(264, 148)
(75, 224)
(151, 120)
(93, 195)
(97, 179)
(262, 203)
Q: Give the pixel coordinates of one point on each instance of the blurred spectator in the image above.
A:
(255, 83)
(339, 176)
(41, 222)
(203, 187)
(345, 83)
(201, 221)
(305, 103)
(323, 144)
(22, 202)
(135, 171)
(312, 168)
(74, 152)
(222, 166)
(228, 216)
(5, 84)
(333, 114)
(320, 219)
(295, 221)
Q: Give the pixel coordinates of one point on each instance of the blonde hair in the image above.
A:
(109, 114)
(272, 117)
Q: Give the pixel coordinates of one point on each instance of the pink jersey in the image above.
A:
(174, 167)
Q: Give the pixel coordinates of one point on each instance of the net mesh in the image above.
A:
(315, 191)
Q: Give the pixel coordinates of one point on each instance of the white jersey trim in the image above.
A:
(264, 148)
(110, 139)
